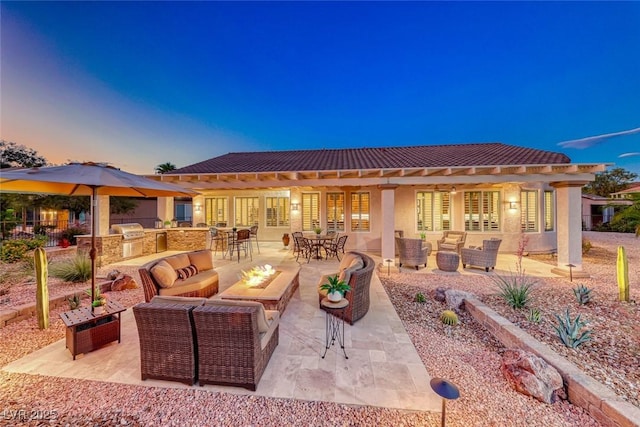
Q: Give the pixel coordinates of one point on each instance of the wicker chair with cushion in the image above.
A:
(413, 251)
(235, 341)
(452, 241)
(166, 333)
(484, 257)
(356, 269)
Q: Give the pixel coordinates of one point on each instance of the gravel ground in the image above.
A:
(465, 354)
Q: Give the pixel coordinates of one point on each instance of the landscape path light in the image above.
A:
(446, 390)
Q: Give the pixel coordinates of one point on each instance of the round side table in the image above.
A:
(334, 323)
(447, 261)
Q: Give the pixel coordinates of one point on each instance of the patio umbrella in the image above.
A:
(87, 179)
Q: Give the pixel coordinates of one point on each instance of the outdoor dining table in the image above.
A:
(318, 240)
(232, 234)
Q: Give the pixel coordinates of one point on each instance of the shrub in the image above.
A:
(568, 330)
(420, 297)
(16, 250)
(71, 233)
(586, 246)
(583, 294)
(515, 289)
(77, 269)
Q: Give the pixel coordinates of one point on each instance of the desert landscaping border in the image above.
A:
(582, 390)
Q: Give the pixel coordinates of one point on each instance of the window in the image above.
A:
(549, 211)
(433, 212)
(360, 212)
(216, 210)
(529, 211)
(310, 211)
(482, 211)
(277, 211)
(246, 211)
(335, 211)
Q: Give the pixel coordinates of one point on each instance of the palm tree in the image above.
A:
(165, 167)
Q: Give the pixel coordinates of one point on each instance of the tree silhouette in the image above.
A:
(165, 167)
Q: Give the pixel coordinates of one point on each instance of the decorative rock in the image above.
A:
(113, 274)
(440, 294)
(532, 376)
(122, 282)
(455, 298)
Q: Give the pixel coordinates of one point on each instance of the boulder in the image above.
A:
(532, 376)
(113, 275)
(439, 294)
(455, 298)
(122, 282)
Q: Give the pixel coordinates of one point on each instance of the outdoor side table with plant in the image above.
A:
(335, 288)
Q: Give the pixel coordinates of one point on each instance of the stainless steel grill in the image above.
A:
(132, 238)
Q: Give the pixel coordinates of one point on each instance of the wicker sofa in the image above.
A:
(212, 341)
(162, 276)
(412, 251)
(452, 241)
(484, 257)
(356, 269)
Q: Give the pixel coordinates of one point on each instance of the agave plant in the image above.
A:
(420, 297)
(534, 316)
(569, 330)
(583, 294)
(515, 289)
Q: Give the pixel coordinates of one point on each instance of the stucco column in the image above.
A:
(101, 211)
(387, 209)
(569, 223)
(165, 208)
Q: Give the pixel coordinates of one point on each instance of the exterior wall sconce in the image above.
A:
(197, 207)
(453, 190)
(295, 206)
(513, 206)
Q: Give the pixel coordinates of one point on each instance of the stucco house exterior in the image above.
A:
(486, 189)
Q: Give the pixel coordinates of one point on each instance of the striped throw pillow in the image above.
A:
(186, 272)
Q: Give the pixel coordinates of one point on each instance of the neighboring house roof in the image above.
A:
(425, 156)
(634, 187)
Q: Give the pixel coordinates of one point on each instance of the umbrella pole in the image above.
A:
(92, 251)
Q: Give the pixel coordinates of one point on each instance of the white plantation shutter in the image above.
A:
(216, 210)
(549, 211)
(529, 211)
(310, 211)
(335, 211)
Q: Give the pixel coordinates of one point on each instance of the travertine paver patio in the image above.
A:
(383, 368)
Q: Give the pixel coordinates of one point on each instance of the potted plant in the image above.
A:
(423, 236)
(64, 242)
(335, 288)
(167, 224)
(99, 302)
(317, 230)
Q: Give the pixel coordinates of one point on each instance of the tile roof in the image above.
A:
(425, 156)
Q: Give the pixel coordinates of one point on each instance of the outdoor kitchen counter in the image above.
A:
(109, 247)
(178, 238)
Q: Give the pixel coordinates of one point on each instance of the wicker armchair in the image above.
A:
(413, 251)
(166, 333)
(452, 241)
(484, 257)
(231, 349)
(358, 296)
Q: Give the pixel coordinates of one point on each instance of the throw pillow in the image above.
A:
(178, 261)
(185, 273)
(164, 274)
(203, 260)
(450, 241)
(346, 260)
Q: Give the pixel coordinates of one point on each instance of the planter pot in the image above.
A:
(98, 310)
(334, 296)
(285, 240)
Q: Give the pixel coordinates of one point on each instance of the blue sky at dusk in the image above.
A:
(142, 83)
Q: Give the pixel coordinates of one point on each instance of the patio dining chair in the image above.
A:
(296, 247)
(305, 247)
(242, 241)
(334, 248)
(254, 235)
(217, 240)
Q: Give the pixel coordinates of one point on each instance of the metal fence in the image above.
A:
(54, 231)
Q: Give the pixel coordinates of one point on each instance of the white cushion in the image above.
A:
(263, 324)
(178, 261)
(177, 300)
(203, 260)
(346, 260)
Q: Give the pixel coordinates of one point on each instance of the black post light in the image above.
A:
(570, 271)
(446, 390)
